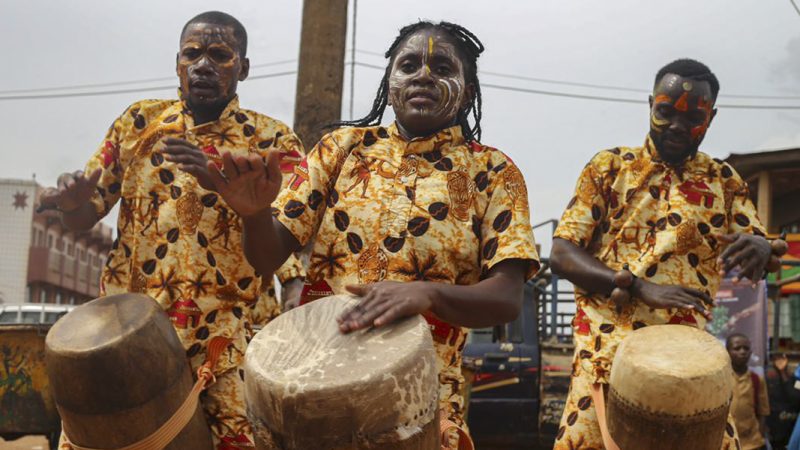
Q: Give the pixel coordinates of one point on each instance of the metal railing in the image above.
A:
(555, 318)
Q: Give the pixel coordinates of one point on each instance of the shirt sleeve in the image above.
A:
(587, 207)
(291, 155)
(763, 399)
(506, 229)
(742, 216)
(109, 159)
(301, 205)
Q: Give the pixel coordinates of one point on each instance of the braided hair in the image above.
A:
(469, 47)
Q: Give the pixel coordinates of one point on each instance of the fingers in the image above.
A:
(274, 166)
(736, 244)
(738, 259)
(705, 298)
(242, 165)
(357, 289)
(229, 166)
(753, 270)
(217, 178)
(390, 315)
(173, 141)
(94, 178)
(48, 199)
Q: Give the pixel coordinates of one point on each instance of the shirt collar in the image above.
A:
(652, 153)
(230, 111)
(450, 137)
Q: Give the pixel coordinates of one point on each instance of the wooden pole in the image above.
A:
(318, 101)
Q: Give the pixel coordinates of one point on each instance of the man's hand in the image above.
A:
(290, 293)
(383, 303)
(189, 159)
(247, 184)
(74, 191)
(750, 252)
(670, 296)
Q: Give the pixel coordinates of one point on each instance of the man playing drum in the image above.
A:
(670, 219)
(178, 241)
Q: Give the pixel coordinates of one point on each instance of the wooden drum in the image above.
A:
(118, 372)
(670, 388)
(307, 385)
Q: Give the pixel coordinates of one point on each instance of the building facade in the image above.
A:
(40, 260)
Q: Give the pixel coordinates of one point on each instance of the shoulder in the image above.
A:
(613, 159)
(149, 108)
(350, 137)
(495, 160)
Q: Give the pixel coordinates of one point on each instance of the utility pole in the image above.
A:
(318, 101)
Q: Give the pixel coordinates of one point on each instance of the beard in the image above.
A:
(670, 157)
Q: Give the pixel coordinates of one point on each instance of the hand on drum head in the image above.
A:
(247, 183)
(750, 252)
(670, 296)
(383, 303)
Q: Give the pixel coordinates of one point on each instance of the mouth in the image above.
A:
(676, 141)
(422, 98)
(203, 86)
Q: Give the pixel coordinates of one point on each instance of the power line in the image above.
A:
(125, 91)
(124, 83)
(607, 86)
(602, 98)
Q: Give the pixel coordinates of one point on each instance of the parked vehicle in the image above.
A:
(26, 406)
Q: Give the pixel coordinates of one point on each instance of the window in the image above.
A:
(58, 298)
(49, 241)
(43, 296)
(51, 317)
(30, 316)
(8, 317)
(70, 250)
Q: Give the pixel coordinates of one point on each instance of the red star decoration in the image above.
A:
(20, 200)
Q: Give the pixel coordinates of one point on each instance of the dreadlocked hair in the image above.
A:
(469, 47)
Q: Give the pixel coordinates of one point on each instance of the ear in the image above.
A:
(245, 69)
(470, 91)
(650, 101)
(177, 59)
(713, 114)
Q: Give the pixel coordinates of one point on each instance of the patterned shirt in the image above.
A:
(178, 242)
(379, 207)
(630, 207)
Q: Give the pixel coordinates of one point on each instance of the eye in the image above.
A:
(220, 55)
(665, 111)
(697, 117)
(408, 67)
(443, 70)
(190, 53)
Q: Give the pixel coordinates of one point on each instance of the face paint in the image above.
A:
(679, 118)
(427, 83)
(209, 65)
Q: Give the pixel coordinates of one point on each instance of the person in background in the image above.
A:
(750, 406)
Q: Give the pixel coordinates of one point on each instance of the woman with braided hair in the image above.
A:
(438, 224)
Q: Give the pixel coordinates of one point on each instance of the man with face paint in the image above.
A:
(647, 236)
(179, 242)
(416, 217)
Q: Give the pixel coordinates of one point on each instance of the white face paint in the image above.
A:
(427, 83)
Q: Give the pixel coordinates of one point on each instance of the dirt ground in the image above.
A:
(25, 443)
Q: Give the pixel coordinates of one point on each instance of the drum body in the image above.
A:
(118, 371)
(670, 388)
(307, 385)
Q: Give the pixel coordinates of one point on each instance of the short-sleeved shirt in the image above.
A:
(746, 412)
(664, 222)
(380, 207)
(178, 242)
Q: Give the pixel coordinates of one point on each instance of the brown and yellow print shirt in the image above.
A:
(379, 207)
(629, 207)
(177, 242)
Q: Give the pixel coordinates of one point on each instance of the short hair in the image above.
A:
(733, 336)
(689, 68)
(225, 20)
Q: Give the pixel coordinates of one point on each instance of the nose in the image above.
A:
(423, 75)
(203, 66)
(679, 125)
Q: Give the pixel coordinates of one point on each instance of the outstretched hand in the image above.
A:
(749, 252)
(248, 184)
(671, 296)
(190, 159)
(74, 191)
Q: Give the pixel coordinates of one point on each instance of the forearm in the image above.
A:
(267, 244)
(493, 301)
(80, 219)
(581, 268)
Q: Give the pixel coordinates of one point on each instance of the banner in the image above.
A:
(742, 308)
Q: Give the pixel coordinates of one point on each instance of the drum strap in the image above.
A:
(175, 424)
(464, 441)
(600, 410)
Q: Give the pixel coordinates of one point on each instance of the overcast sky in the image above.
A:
(752, 45)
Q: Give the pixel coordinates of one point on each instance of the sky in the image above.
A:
(753, 46)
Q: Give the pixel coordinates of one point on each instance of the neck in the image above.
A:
(206, 114)
(740, 369)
